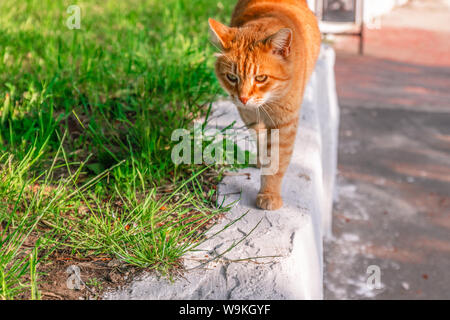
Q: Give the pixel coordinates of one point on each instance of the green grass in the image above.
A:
(86, 118)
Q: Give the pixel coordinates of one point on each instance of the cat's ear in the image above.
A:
(222, 34)
(280, 42)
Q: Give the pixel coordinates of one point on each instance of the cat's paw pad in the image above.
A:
(269, 201)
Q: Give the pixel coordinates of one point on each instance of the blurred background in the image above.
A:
(392, 205)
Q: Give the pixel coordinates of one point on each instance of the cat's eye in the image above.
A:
(232, 78)
(261, 78)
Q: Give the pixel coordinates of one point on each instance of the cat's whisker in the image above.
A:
(215, 46)
(226, 64)
(220, 50)
(268, 115)
(259, 116)
(266, 104)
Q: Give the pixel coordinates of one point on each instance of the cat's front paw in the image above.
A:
(269, 201)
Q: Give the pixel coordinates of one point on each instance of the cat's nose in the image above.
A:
(244, 100)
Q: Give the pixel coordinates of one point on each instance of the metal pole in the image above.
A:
(361, 34)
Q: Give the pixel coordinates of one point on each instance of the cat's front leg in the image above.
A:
(256, 127)
(261, 138)
(279, 152)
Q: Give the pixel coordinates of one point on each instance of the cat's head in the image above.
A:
(252, 67)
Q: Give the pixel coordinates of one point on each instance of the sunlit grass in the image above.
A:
(86, 118)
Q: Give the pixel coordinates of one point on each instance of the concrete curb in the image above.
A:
(290, 238)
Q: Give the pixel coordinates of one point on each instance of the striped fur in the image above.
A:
(267, 56)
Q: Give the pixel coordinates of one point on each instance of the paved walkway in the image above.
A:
(417, 33)
(394, 160)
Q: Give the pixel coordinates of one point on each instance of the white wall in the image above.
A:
(372, 8)
(376, 8)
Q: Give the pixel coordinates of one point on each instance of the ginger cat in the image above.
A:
(268, 54)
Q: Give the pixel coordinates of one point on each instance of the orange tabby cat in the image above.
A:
(268, 54)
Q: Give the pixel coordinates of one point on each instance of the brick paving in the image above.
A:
(394, 161)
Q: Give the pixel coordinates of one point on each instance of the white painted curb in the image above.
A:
(294, 234)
